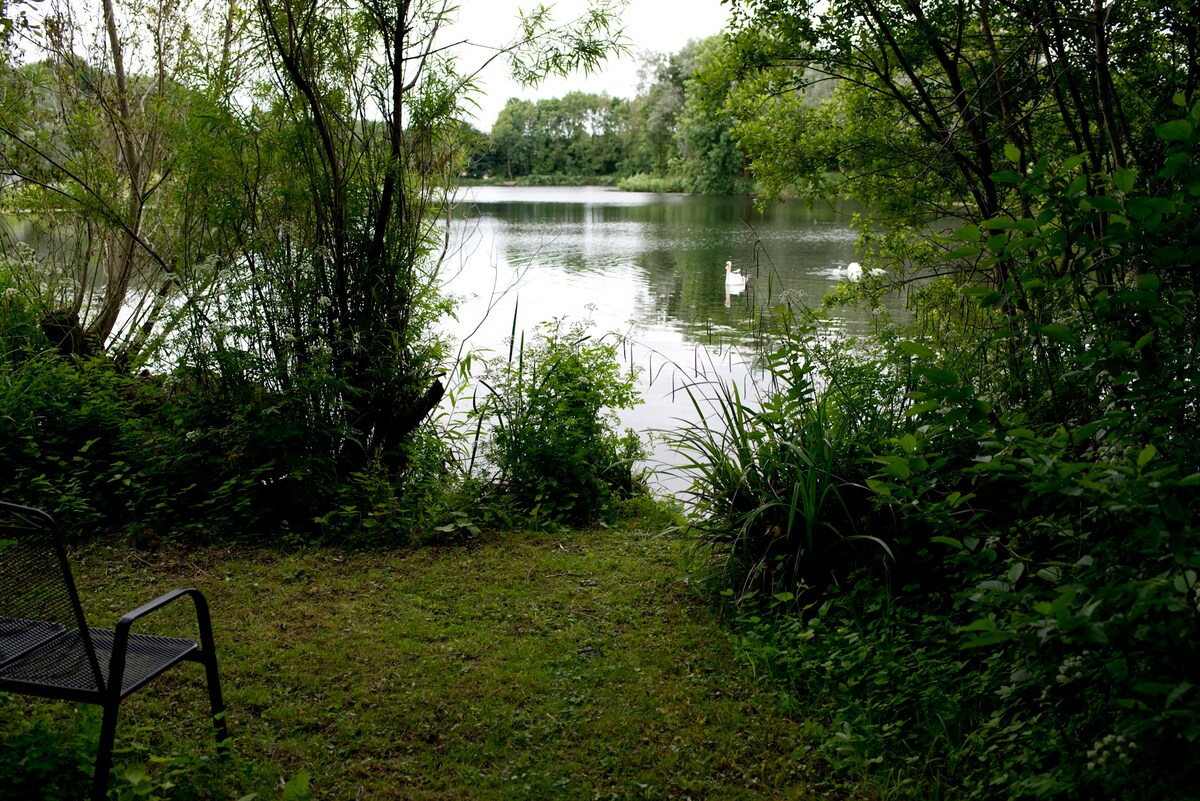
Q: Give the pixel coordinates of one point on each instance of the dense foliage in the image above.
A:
(221, 296)
(974, 535)
(665, 137)
(554, 436)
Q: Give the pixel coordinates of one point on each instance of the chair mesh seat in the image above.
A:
(47, 649)
(63, 661)
(18, 635)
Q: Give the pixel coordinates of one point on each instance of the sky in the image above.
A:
(662, 26)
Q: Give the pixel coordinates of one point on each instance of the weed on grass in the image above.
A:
(573, 666)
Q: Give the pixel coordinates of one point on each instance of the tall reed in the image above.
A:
(776, 486)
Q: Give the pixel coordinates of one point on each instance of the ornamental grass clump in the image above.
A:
(776, 481)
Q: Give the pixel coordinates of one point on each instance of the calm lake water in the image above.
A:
(650, 267)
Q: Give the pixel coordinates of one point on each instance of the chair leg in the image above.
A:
(108, 734)
(217, 704)
(208, 654)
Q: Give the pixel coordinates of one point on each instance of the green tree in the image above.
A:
(709, 155)
(356, 154)
(577, 134)
(282, 175)
(650, 133)
(513, 137)
(92, 135)
(934, 100)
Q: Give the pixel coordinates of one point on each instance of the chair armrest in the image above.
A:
(128, 619)
(116, 663)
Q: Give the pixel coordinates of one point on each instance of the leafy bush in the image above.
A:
(20, 332)
(1038, 486)
(553, 439)
(653, 183)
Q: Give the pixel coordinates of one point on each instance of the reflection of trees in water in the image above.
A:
(670, 250)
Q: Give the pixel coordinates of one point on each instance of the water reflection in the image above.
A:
(648, 265)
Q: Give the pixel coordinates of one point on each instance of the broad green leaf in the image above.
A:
(1051, 574)
(1123, 179)
(921, 408)
(1146, 455)
(953, 543)
(1149, 281)
(1073, 162)
(990, 638)
(917, 349)
(968, 233)
(1174, 130)
(1100, 203)
(1060, 333)
(999, 224)
(939, 376)
(1176, 693)
(982, 624)
(1012, 153)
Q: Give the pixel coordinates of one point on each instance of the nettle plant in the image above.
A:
(1057, 481)
(550, 429)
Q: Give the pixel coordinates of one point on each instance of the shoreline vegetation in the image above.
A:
(641, 182)
(633, 183)
(957, 556)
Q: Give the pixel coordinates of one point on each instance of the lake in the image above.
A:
(648, 266)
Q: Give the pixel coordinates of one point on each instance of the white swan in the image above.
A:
(734, 277)
(854, 272)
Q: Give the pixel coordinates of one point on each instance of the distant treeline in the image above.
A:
(664, 138)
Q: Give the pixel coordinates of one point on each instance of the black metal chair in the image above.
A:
(47, 649)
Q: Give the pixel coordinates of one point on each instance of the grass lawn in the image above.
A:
(523, 666)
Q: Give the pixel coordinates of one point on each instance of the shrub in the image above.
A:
(552, 429)
(1040, 488)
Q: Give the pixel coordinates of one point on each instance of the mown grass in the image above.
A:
(523, 666)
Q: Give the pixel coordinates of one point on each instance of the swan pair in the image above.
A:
(854, 272)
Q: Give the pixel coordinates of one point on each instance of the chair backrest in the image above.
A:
(38, 600)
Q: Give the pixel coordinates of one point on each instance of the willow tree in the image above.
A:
(91, 136)
(353, 147)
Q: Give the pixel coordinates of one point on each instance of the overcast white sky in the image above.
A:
(662, 26)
